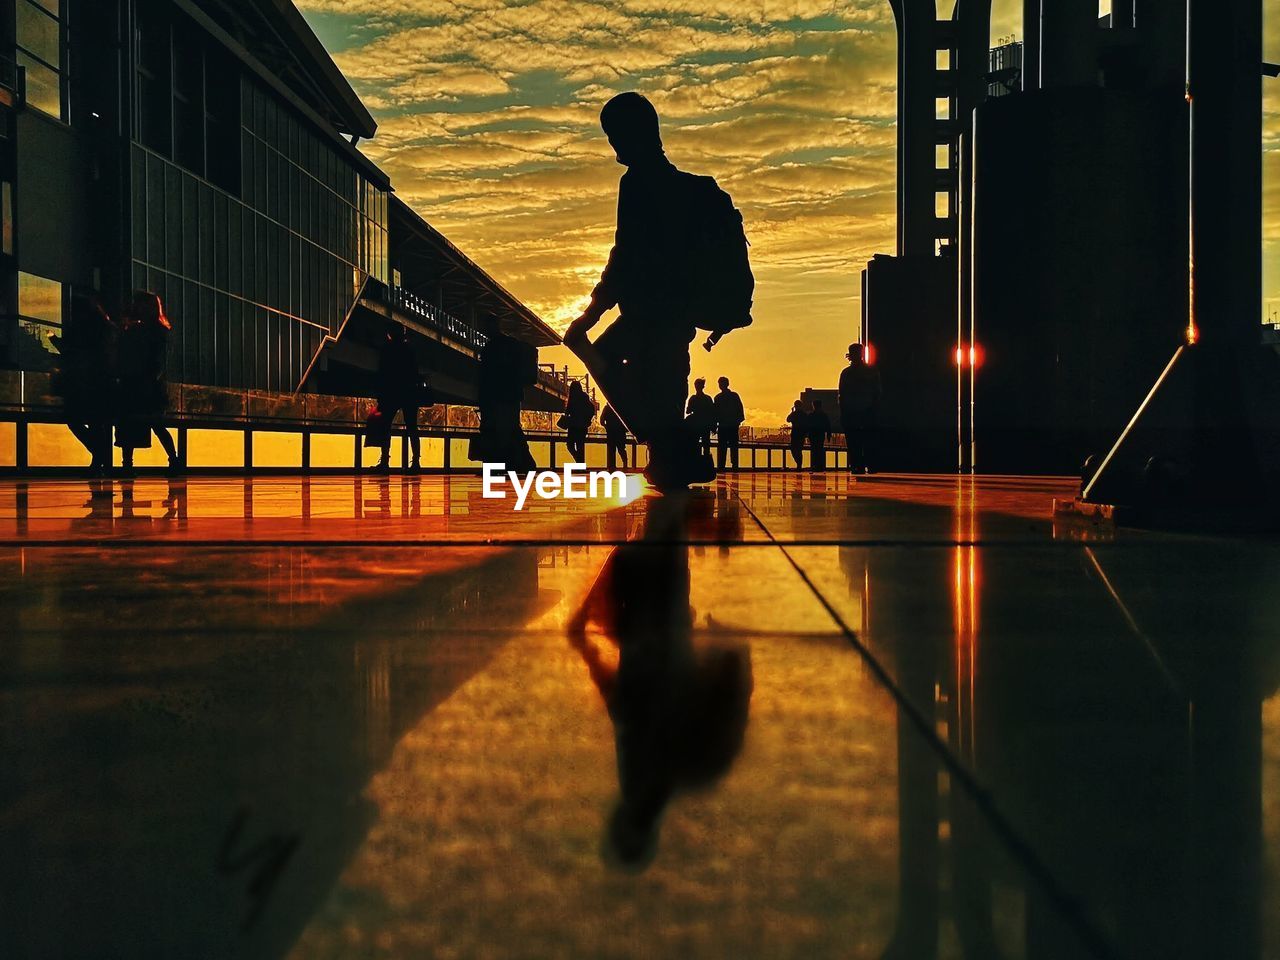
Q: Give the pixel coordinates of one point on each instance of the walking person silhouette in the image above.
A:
(679, 262)
(615, 434)
(579, 411)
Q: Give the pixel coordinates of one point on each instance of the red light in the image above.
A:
(1193, 333)
(970, 356)
(959, 356)
(868, 354)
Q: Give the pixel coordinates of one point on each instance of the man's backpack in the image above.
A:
(718, 282)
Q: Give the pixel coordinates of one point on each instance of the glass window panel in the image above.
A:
(221, 340)
(173, 218)
(272, 449)
(44, 86)
(237, 362)
(190, 227)
(220, 241)
(262, 350)
(216, 448)
(139, 172)
(208, 337)
(39, 33)
(235, 249)
(39, 298)
(33, 347)
(155, 253)
(53, 6)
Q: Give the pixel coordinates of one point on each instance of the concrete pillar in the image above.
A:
(916, 67)
(1068, 43)
(1161, 27)
(1225, 85)
(1030, 44)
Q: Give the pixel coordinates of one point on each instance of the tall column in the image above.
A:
(916, 64)
(1030, 44)
(973, 18)
(1068, 43)
(1225, 87)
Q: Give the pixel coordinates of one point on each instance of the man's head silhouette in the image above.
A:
(699, 384)
(724, 383)
(631, 124)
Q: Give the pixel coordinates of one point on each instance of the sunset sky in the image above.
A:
(488, 125)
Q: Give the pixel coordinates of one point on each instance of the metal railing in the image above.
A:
(460, 330)
(25, 399)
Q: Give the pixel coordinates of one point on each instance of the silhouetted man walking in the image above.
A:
(819, 427)
(700, 414)
(729, 417)
(647, 348)
(859, 406)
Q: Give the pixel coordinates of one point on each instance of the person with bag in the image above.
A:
(859, 406)
(579, 411)
(400, 389)
(799, 420)
(143, 390)
(506, 367)
(819, 429)
(679, 263)
(85, 378)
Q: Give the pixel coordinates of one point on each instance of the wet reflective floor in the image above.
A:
(788, 716)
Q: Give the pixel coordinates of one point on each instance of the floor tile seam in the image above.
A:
(983, 800)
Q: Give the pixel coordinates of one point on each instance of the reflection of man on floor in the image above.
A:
(679, 713)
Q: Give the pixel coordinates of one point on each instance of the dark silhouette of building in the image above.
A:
(207, 151)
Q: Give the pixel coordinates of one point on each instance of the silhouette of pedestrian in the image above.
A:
(859, 407)
(679, 712)
(729, 417)
(648, 277)
(85, 378)
(799, 420)
(700, 415)
(579, 411)
(506, 367)
(819, 428)
(400, 390)
(615, 433)
(143, 389)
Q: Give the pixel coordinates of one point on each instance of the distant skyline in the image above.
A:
(488, 125)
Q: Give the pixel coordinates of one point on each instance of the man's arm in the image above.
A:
(605, 295)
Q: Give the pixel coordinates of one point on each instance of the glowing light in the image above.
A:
(869, 354)
(959, 356)
(1193, 333)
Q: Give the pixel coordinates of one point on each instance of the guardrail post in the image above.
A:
(248, 448)
(448, 453)
(182, 447)
(306, 451)
(20, 446)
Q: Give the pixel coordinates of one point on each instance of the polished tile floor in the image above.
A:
(787, 716)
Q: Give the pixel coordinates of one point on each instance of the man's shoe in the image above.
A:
(175, 467)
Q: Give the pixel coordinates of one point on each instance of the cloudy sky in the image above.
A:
(487, 113)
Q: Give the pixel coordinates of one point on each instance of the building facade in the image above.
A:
(207, 150)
